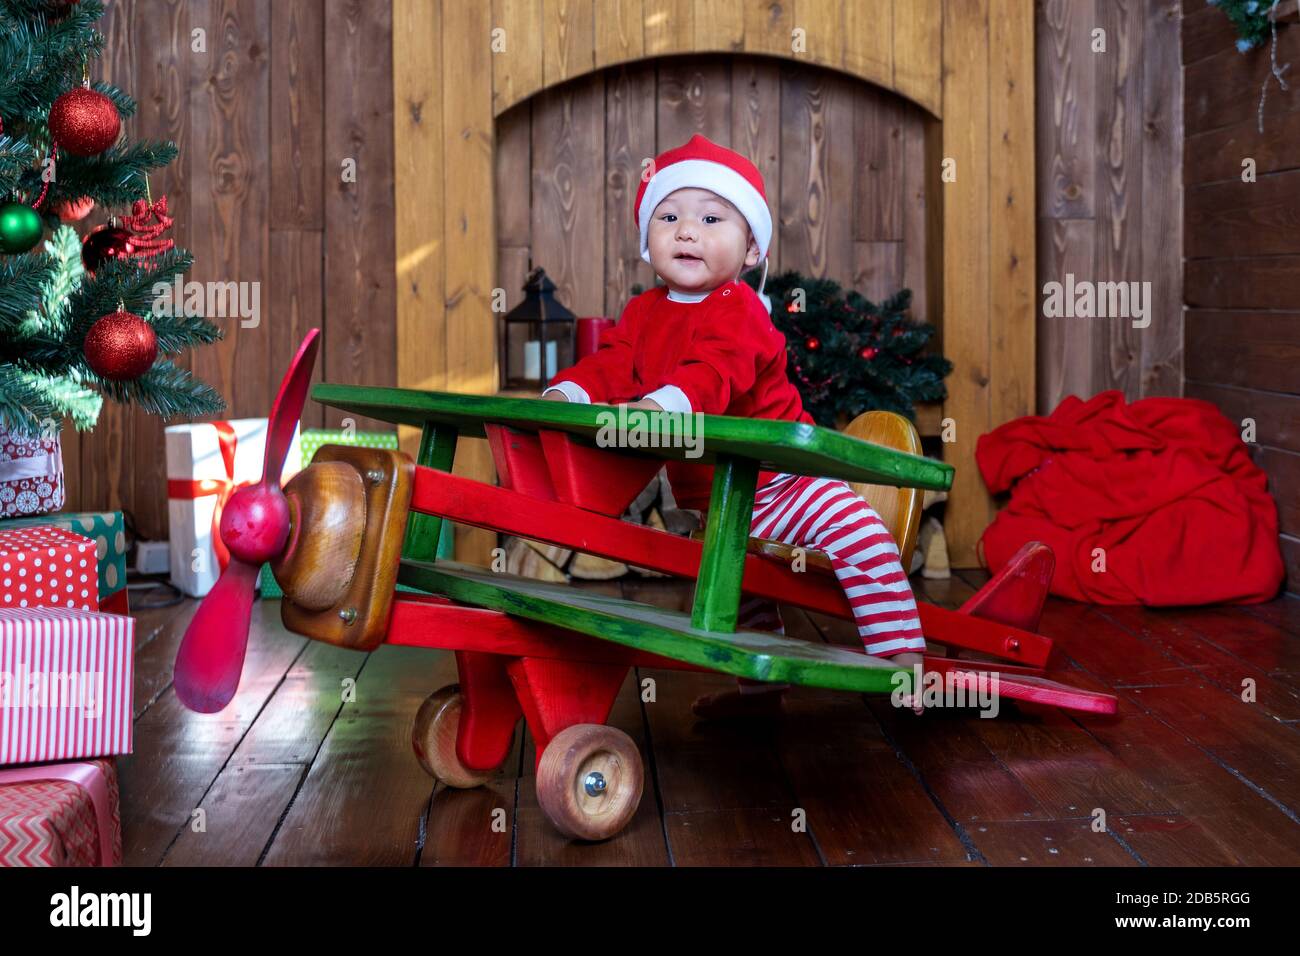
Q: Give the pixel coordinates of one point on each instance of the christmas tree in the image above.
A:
(78, 320)
(847, 355)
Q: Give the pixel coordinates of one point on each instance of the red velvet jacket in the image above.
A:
(723, 353)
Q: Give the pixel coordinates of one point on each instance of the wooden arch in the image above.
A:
(970, 63)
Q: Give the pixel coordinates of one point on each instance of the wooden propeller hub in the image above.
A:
(327, 510)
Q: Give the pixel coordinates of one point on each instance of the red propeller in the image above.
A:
(255, 527)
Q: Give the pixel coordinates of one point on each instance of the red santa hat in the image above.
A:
(703, 164)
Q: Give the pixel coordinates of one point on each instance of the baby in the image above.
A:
(705, 342)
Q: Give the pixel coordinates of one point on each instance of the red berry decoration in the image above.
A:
(84, 122)
(106, 242)
(121, 346)
(72, 210)
(812, 343)
(868, 352)
(146, 224)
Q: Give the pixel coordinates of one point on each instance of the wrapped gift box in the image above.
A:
(43, 566)
(313, 438)
(65, 684)
(107, 530)
(31, 475)
(60, 815)
(205, 464)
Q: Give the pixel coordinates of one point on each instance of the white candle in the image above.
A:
(533, 360)
(550, 360)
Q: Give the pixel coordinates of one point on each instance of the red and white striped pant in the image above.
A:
(827, 515)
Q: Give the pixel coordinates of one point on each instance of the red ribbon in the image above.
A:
(223, 488)
(146, 235)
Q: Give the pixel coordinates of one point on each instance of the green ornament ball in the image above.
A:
(20, 228)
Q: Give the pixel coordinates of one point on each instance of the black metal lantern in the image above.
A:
(538, 337)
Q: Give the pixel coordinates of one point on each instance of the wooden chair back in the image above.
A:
(899, 508)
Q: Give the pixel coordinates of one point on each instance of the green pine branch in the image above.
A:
(41, 58)
(127, 282)
(167, 391)
(48, 317)
(21, 280)
(17, 156)
(30, 399)
(179, 333)
(115, 177)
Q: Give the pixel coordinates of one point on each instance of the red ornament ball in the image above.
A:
(812, 343)
(106, 242)
(868, 353)
(84, 122)
(121, 346)
(72, 210)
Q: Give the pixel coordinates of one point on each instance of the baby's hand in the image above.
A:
(556, 396)
(649, 404)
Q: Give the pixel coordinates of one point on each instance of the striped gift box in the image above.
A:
(65, 684)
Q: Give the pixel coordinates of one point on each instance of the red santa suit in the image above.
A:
(716, 355)
(720, 354)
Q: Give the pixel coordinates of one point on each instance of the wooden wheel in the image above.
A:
(589, 781)
(433, 738)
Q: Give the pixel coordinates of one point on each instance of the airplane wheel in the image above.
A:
(589, 781)
(433, 738)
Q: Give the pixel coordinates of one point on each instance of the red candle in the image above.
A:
(589, 335)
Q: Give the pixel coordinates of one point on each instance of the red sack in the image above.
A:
(1164, 486)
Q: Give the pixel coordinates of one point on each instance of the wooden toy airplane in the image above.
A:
(348, 528)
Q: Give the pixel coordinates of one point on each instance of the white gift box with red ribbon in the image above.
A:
(206, 463)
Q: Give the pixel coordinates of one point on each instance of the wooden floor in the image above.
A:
(1187, 774)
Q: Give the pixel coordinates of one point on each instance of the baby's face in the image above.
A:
(699, 241)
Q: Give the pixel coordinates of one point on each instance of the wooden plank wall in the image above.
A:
(1242, 249)
(987, 141)
(543, 45)
(1109, 198)
(264, 128)
(540, 46)
(258, 196)
(285, 92)
(841, 163)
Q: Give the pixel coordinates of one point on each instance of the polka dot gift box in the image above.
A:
(108, 531)
(42, 566)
